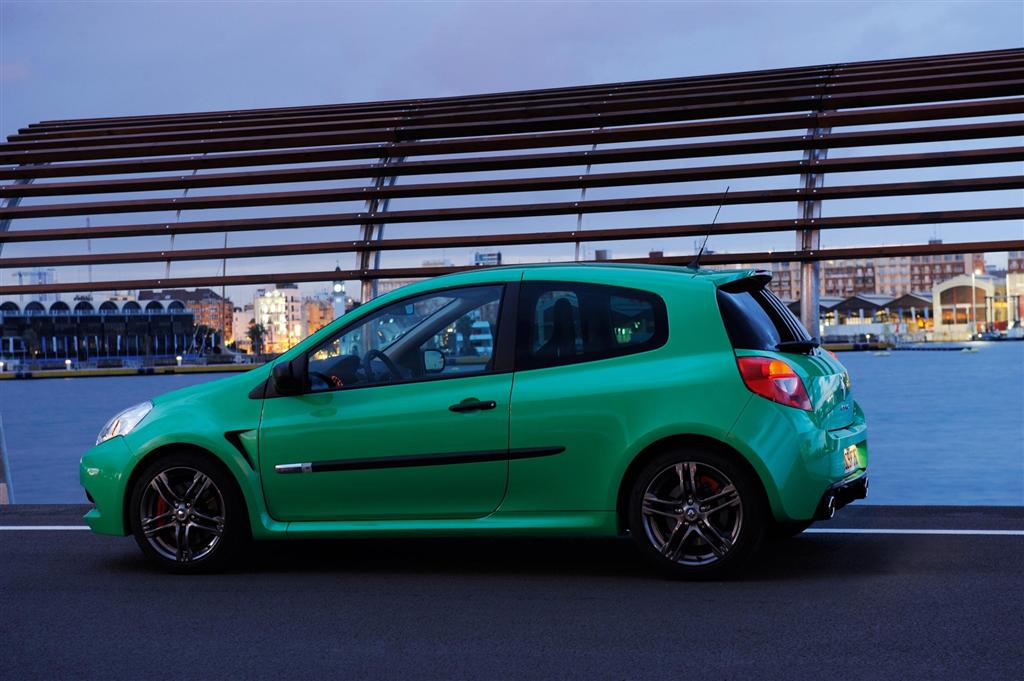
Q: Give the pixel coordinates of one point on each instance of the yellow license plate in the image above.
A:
(850, 458)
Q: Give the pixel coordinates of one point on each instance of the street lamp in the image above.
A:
(178, 360)
(67, 364)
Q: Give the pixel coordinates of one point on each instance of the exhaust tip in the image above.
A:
(830, 506)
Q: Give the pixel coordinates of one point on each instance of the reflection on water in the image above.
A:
(945, 427)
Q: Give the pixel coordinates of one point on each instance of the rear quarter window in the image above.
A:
(758, 320)
(567, 323)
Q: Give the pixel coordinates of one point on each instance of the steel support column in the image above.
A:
(583, 196)
(12, 202)
(370, 260)
(810, 239)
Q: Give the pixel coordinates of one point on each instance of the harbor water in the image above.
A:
(944, 427)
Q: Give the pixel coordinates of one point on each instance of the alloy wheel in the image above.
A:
(182, 514)
(692, 513)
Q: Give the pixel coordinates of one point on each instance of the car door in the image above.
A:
(587, 370)
(406, 416)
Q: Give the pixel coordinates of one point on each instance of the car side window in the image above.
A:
(436, 335)
(564, 323)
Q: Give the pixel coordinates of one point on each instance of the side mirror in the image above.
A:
(291, 378)
(433, 361)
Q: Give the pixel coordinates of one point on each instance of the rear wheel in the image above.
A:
(187, 514)
(696, 514)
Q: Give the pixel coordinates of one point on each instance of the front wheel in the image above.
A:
(696, 514)
(187, 514)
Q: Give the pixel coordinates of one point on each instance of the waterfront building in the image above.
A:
(207, 307)
(977, 303)
(111, 331)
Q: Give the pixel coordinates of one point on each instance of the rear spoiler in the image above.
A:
(756, 281)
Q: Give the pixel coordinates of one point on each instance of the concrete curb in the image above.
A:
(130, 371)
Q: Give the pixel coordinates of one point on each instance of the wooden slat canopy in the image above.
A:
(139, 165)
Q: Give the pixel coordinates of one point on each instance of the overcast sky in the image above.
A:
(83, 59)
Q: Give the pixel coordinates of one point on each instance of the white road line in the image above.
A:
(52, 528)
(855, 530)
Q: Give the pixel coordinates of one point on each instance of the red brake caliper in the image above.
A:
(161, 507)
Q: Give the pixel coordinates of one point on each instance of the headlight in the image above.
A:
(125, 422)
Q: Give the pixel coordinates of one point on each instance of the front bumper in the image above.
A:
(102, 475)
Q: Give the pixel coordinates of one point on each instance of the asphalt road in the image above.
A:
(823, 605)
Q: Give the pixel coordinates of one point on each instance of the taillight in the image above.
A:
(775, 380)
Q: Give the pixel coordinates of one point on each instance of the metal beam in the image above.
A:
(417, 272)
(660, 111)
(841, 80)
(518, 239)
(521, 210)
(627, 133)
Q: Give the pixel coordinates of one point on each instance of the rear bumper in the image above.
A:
(841, 494)
(799, 462)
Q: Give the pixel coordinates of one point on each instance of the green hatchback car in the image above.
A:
(686, 408)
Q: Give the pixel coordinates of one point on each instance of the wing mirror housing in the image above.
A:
(291, 378)
(433, 361)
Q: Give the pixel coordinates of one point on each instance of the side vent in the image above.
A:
(235, 438)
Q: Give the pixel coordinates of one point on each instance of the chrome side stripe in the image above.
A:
(306, 467)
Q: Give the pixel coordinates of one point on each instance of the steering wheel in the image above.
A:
(393, 370)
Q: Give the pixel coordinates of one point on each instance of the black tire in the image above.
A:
(214, 525)
(655, 528)
(783, 530)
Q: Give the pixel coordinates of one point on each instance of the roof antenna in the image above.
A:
(695, 263)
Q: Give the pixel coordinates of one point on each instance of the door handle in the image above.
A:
(473, 404)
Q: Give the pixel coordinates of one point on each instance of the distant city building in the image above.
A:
(481, 258)
(318, 313)
(1015, 261)
(207, 307)
(602, 254)
(280, 311)
(338, 293)
(37, 277)
(389, 285)
(874, 276)
(241, 319)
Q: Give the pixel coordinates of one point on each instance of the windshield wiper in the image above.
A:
(797, 345)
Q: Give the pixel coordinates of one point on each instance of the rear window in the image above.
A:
(758, 320)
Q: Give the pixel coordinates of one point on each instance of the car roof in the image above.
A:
(718, 276)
